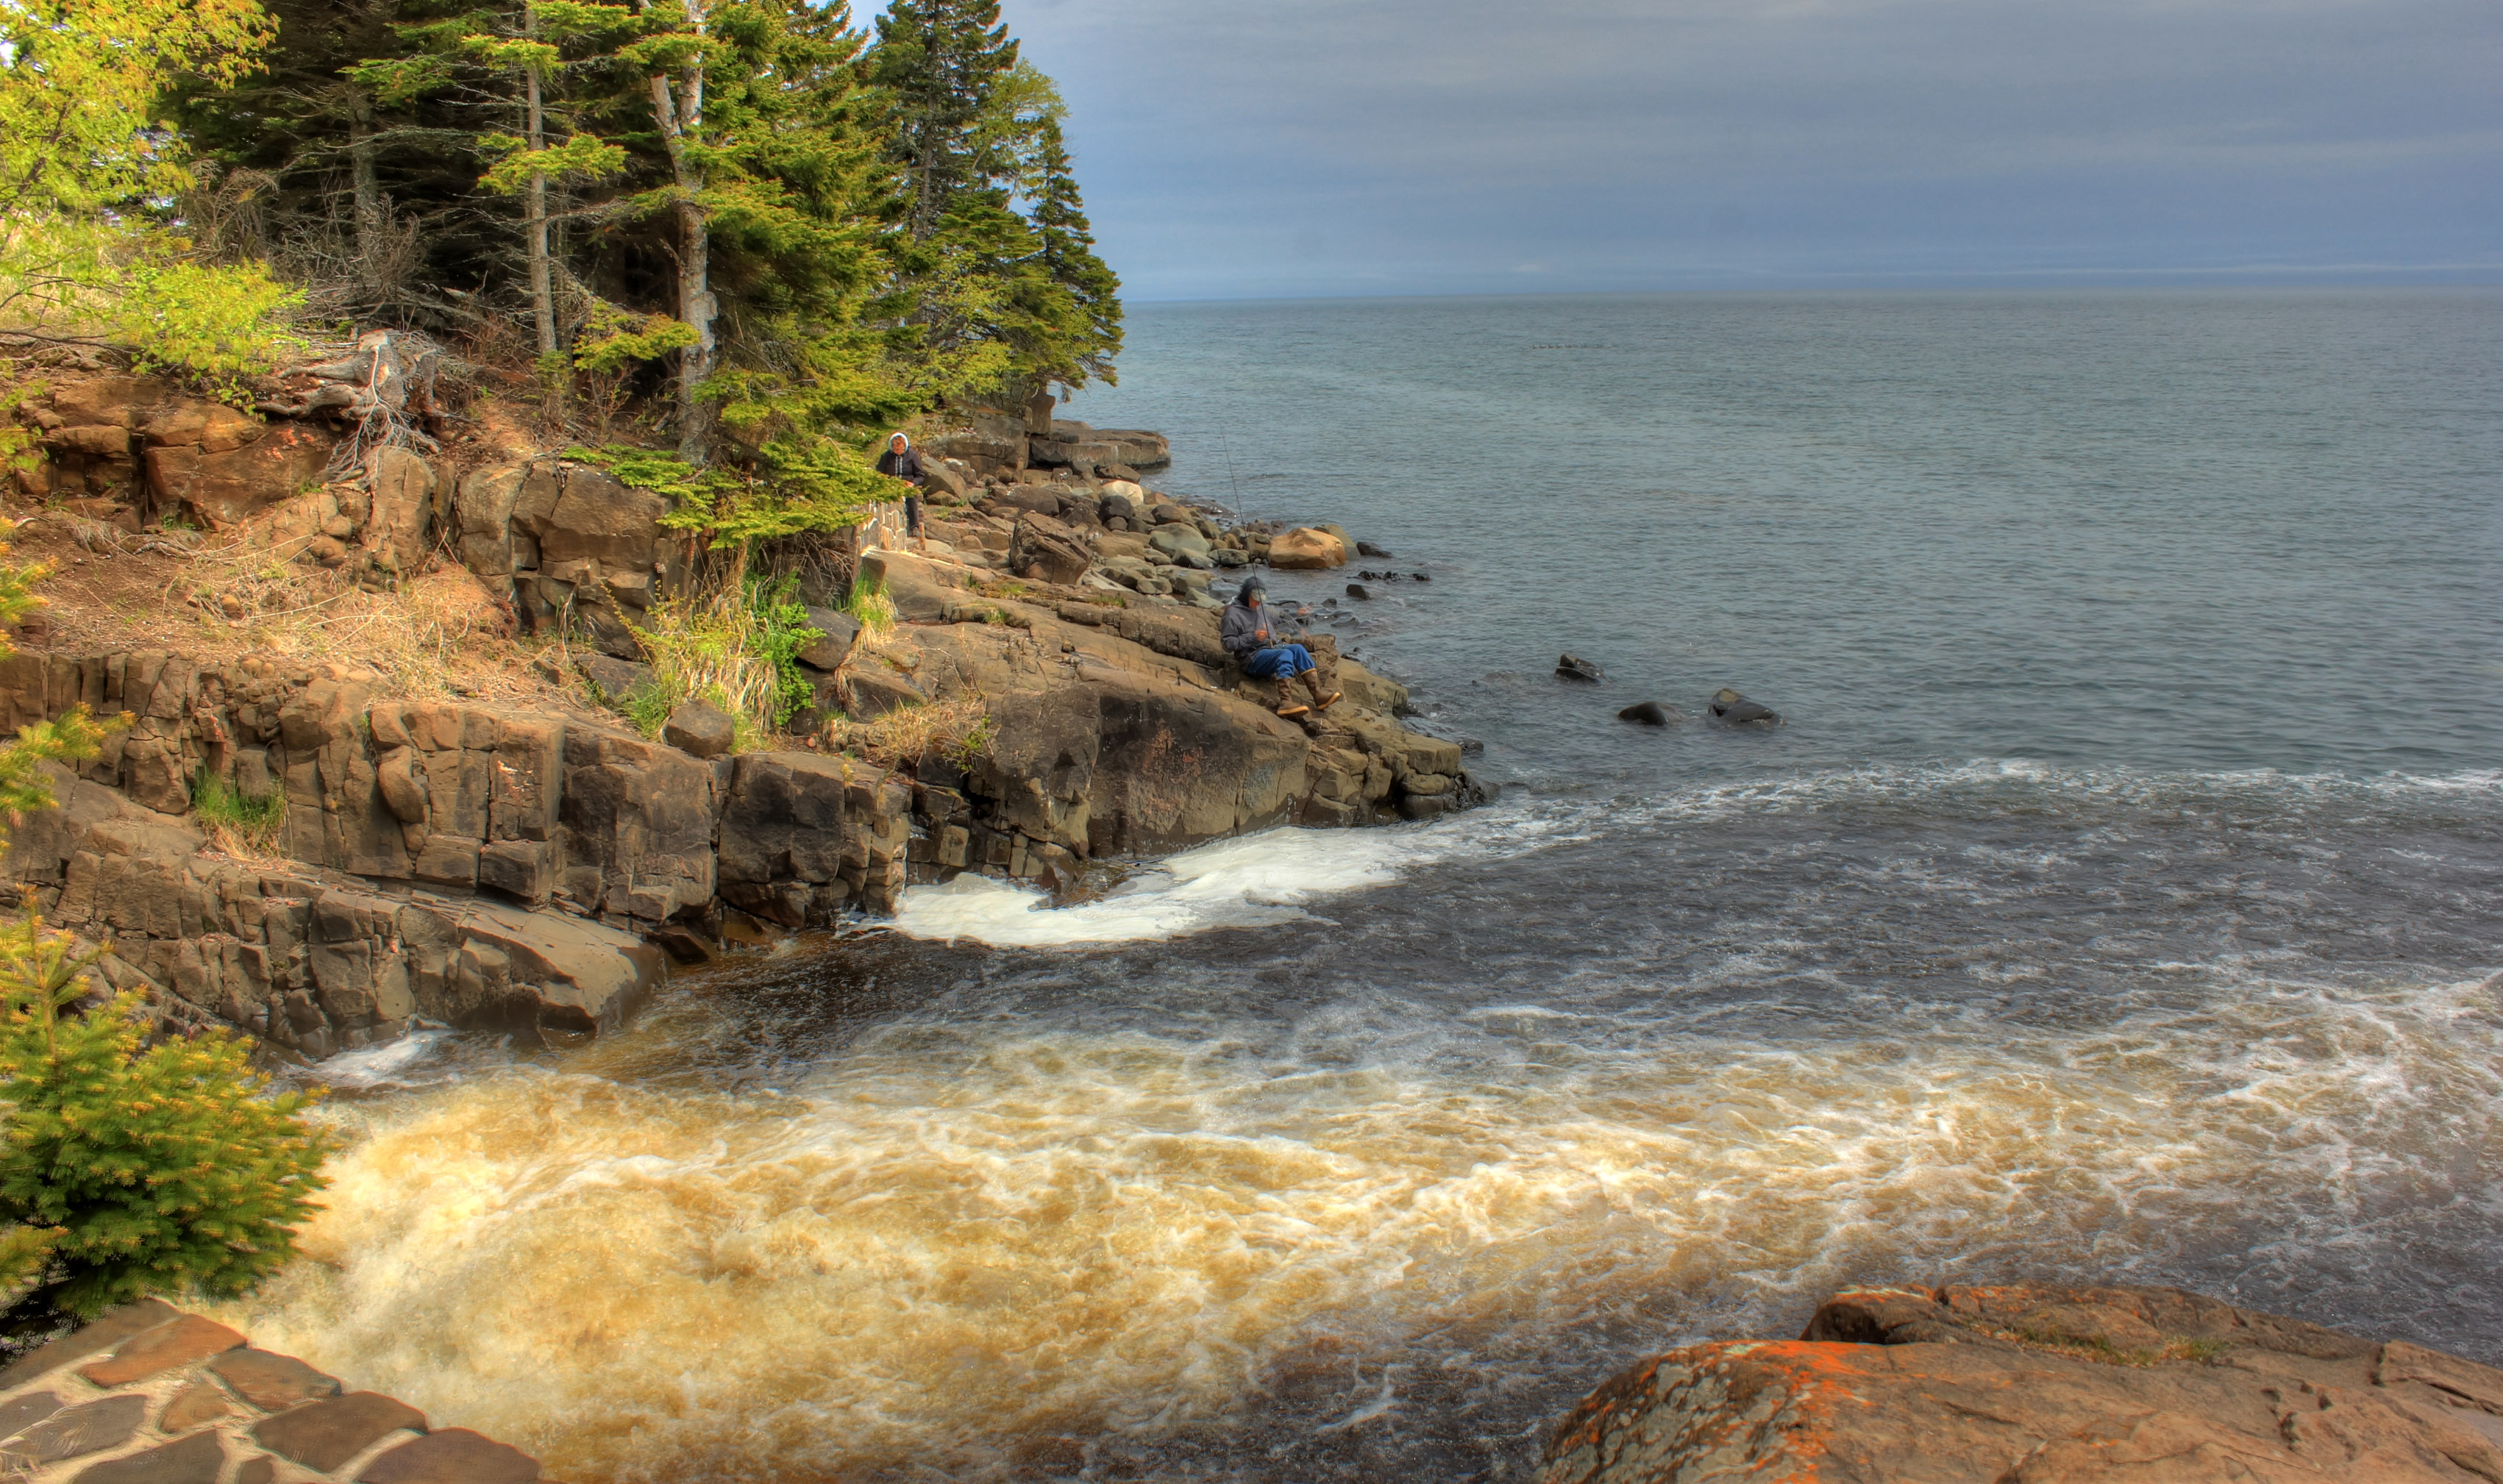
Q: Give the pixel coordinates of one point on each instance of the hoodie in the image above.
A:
(1247, 630)
(905, 465)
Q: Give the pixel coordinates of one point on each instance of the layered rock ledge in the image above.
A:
(2040, 1385)
(150, 1394)
(530, 868)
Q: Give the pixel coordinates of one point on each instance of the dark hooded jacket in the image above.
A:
(1241, 630)
(905, 465)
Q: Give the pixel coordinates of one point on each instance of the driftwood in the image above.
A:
(383, 389)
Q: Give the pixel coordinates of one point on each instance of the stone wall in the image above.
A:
(150, 1394)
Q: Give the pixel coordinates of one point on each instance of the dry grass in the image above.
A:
(225, 595)
(959, 729)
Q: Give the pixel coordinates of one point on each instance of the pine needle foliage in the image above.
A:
(151, 1168)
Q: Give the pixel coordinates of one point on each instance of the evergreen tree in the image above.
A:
(140, 1169)
(1067, 251)
(359, 182)
(941, 61)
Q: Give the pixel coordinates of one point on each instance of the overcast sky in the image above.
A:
(1256, 147)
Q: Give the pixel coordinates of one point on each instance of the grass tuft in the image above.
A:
(240, 824)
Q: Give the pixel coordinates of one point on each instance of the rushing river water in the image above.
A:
(2120, 901)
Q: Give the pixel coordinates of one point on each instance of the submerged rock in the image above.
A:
(1649, 714)
(2044, 1385)
(1728, 705)
(1573, 667)
(1359, 592)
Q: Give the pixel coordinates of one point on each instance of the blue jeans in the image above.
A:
(1279, 661)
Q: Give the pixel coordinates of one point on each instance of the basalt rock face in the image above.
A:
(463, 864)
(2040, 1384)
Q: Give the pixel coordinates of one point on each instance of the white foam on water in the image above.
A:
(948, 1241)
(1256, 881)
(383, 1066)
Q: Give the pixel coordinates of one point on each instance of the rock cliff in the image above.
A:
(523, 866)
(2040, 1385)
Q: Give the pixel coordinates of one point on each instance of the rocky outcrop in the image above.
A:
(2040, 1384)
(310, 961)
(986, 441)
(494, 865)
(1307, 548)
(583, 550)
(1091, 450)
(139, 444)
(150, 1394)
(1122, 728)
(461, 864)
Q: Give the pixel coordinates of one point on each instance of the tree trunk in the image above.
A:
(542, 281)
(681, 118)
(368, 186)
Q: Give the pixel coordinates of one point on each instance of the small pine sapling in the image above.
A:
(151, 1168)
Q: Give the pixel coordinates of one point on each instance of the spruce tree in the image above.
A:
(1089, 343)
(140, 1169)
(941, 61)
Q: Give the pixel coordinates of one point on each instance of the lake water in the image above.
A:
(2118, 901)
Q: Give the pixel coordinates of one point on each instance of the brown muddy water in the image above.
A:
(1376, 1186)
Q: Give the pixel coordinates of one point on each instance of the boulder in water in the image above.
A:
(1650, 714)
(1730, 708)
(1307, 548)
(1573, 667)
(1368, 549)
(1359, 592)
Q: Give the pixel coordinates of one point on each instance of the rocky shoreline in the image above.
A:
(2040, 1384)
(534, 869)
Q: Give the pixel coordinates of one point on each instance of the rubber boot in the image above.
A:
(1286, 703)
(1321, 702)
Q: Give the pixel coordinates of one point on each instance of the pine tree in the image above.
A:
(942, 63)
(1068, 258)
(140, 1169)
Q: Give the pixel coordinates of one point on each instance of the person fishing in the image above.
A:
(903, 462)
(1250, 634)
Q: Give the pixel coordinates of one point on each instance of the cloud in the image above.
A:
(1326, 145)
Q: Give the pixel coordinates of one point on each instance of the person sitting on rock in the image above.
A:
(1254, 640)
(903, 462)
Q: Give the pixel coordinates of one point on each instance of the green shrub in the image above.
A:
(211, 324)
(148, 1168)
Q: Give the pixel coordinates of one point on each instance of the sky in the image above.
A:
(1249, 149)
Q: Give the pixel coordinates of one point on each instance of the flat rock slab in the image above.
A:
(24, 1411)
(196, 1404)
(91, 1428)
(2038, 1385)
(187, 1340)
(326, 1434)
(271, 1382)
(109, 1329)
(196, 1460)
(453, 1456)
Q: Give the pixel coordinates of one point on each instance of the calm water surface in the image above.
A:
(2119, 901)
